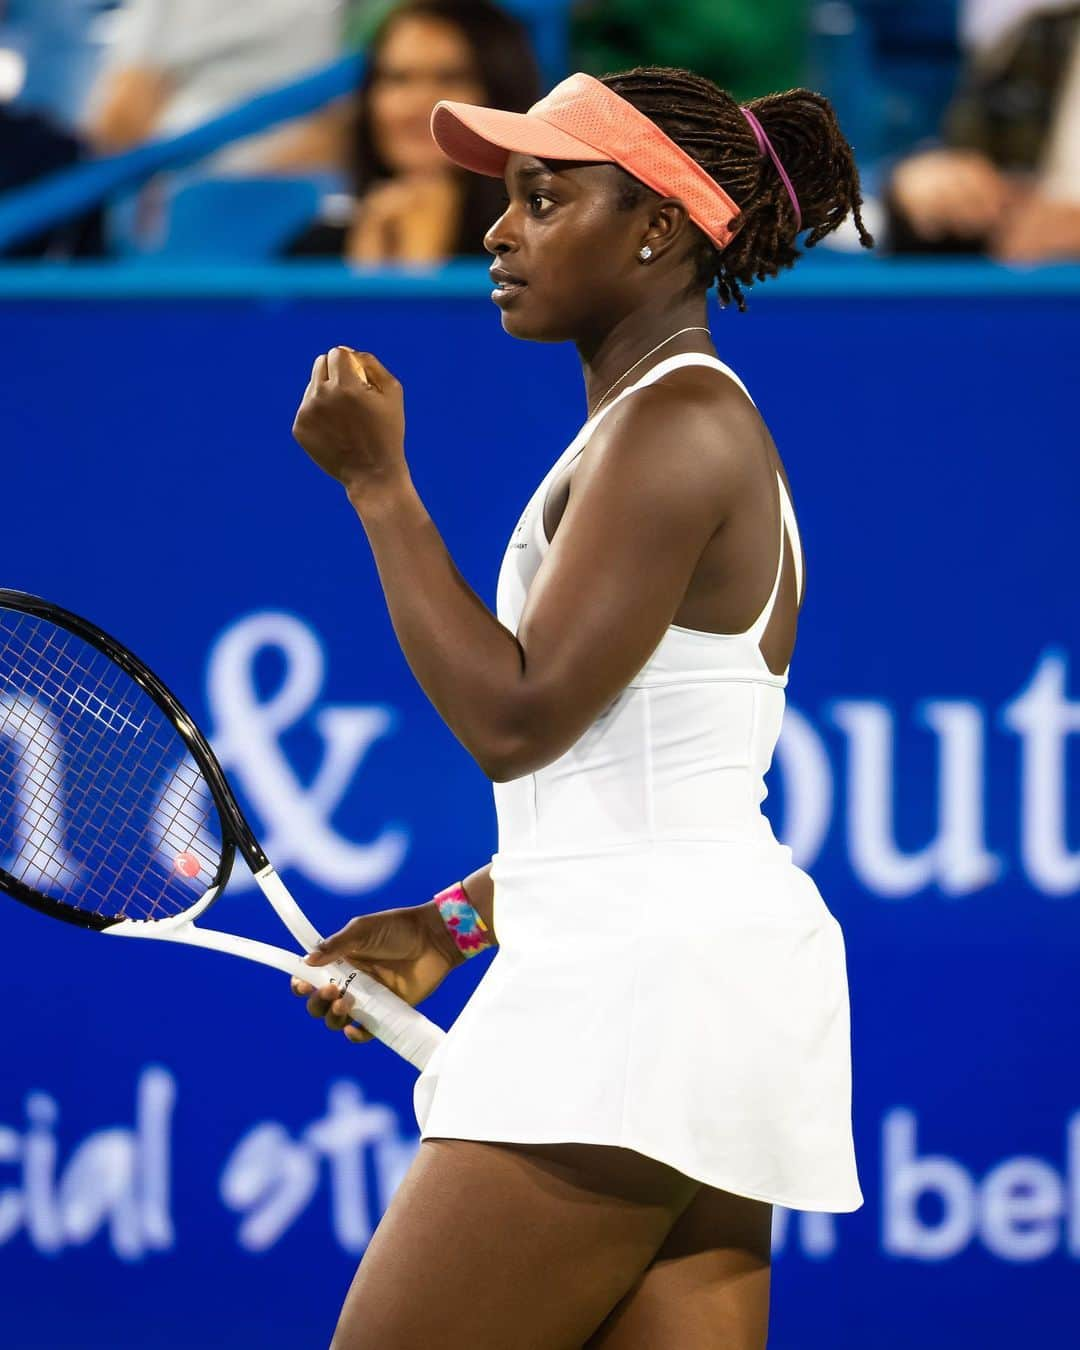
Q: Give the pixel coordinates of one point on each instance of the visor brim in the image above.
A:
(482, 139)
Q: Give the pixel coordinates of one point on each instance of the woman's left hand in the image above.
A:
(406, 220)
(351, 421)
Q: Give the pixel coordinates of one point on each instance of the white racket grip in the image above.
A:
(378, 1010)
(396, 1023)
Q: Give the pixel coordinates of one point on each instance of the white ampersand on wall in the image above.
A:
(294, 819)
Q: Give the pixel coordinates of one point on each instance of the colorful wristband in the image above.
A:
(465, 925)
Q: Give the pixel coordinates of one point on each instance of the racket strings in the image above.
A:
(101, 805)
(31, 723)
(99, 771)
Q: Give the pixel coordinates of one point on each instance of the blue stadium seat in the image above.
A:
(237, 219)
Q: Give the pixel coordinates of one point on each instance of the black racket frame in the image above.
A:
(236, 833)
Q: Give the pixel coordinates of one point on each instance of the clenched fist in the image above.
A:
(351, 421)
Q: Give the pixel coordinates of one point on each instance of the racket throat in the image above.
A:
(231, 944)
(286, 908)
(182, 928)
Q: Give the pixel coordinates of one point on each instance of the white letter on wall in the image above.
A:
(808, 788)
(956, 859)
(907, 1177)
(1043, 718)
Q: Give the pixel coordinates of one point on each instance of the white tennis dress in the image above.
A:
(667, 979)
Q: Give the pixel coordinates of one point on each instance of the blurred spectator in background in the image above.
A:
(177, 63)
(748, 47)
(32, 146)
(48, 53)
(1007, 179)
(409, 204)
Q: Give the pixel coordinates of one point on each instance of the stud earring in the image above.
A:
(645, 253)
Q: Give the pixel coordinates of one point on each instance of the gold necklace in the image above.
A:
(695, 328)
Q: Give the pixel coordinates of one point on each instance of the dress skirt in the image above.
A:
(687, 1000)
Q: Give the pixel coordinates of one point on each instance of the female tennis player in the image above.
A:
(659, 1051)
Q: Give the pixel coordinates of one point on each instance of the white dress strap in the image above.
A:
(787, 511)
(788, 530)
(756, 631)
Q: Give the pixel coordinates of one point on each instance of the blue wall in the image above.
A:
(206, 1168)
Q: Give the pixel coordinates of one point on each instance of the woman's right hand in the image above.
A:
(408, 950)
(951, 192)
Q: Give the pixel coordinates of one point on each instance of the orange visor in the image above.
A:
(582, 119)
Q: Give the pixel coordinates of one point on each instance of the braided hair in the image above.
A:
(707, 123)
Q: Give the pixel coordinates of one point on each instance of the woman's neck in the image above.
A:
(615, 359)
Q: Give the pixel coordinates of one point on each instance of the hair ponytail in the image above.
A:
(819, 161)
(709, 125)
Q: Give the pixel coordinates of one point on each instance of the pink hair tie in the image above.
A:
(766, 148)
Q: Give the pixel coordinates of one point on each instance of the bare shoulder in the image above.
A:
(693, 432)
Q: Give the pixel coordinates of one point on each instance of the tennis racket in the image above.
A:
(116, 816)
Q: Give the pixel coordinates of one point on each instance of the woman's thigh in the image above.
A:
(708, 1286)
(509, 1246)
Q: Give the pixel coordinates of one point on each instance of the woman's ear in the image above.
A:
(668, 223)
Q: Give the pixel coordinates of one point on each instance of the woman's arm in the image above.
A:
(129, 106)
(643, 504)
(469, 665)
(655, 481)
